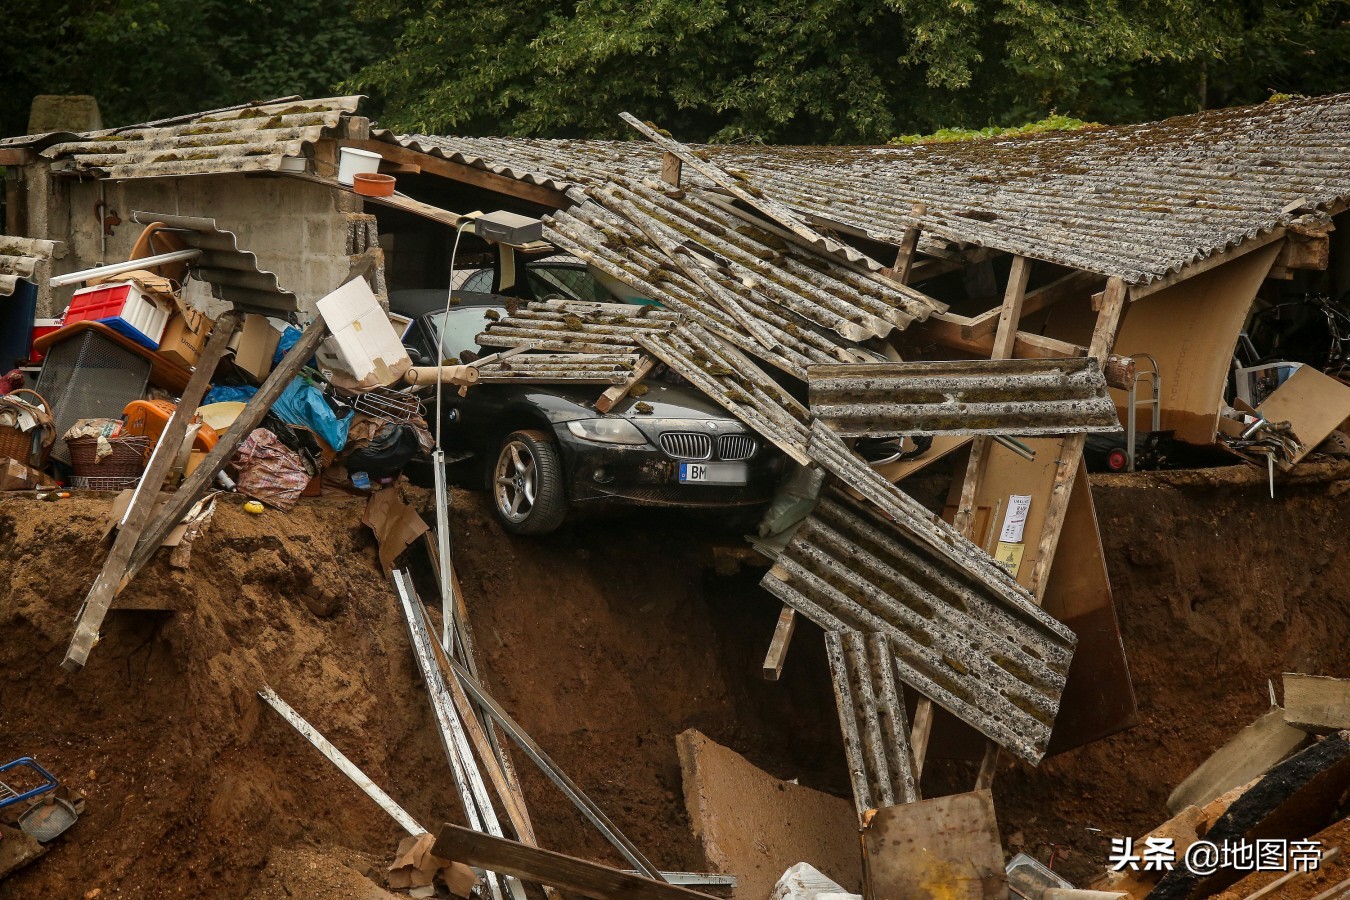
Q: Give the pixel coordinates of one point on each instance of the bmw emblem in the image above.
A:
(712, 426)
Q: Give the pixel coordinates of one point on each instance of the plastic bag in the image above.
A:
(269, 470)
(302, 404)
(387, 453)
(229, 394)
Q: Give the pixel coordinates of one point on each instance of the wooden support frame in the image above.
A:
(947, 329)
(1072, 285)
(138, 515)
(909, 244)
(483, 178)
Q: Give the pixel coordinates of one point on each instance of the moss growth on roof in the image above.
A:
(947, 135)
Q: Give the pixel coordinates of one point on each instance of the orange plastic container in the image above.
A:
(148, 418)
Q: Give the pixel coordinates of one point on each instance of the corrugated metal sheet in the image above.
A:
(564, 326)
(250, 138)
(1134, 201)
(995, 668)
(872, 718)
(232, 272)
(1000, 396)
(19, 258)
(734, 382)
(548, 368)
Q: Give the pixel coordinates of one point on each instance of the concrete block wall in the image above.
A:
(298, 230)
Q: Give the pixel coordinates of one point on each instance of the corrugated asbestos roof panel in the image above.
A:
(19, 258)
(566, 326)
(550, 368)
(735, 383)
(232, 272)
(1001, 396)
(1134, 201)
(872, 719)
(993, 667)
(251, 138)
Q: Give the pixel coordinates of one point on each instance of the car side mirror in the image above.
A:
(417, 356)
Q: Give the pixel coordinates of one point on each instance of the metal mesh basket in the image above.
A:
(90, 377)
(389, 405)
(102, 483)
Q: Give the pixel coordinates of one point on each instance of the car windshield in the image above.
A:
(459, 327)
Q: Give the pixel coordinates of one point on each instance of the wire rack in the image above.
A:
(102, 483)
(389, 405)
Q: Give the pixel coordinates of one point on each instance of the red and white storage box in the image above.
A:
(123, 307)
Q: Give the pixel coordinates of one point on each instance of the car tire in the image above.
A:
(528, 494)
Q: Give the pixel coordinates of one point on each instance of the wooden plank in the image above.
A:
(1139, 291)
(613, 395)
(547, 867)
(1316, 704)
(1103, 337)
(939, 848)
(778, 647)
(1075, 284)
(671, 167)
(904, 259)
(17, 156)
(435, 165)
(138, 515)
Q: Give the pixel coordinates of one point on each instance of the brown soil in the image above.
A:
(605, 641)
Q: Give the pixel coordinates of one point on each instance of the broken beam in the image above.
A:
(946, 329)
(567, 873)
(778, 647)
(1075, 284)
(138, 515)
(435, 165)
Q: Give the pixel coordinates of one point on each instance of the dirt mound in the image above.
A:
(605, 641)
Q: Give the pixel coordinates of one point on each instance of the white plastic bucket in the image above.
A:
(354, 162)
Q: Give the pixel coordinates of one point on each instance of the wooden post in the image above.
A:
(1103, 337)
(671, 167)
(909, 243)
(106, 586)
(778, 647)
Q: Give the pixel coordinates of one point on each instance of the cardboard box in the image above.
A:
(15, 476)
(364, 345)
(185, 336)
(253, 346)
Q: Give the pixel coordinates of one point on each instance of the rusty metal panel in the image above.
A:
(232, 272)
(999, 396)
(550, 368)
(19, 258)
(250, 138)
(872, 718)
(938, 849)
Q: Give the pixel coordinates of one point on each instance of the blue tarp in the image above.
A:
(302, 404)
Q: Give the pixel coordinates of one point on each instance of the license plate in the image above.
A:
(713, 473)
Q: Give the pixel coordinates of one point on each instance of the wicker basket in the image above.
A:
(127, 459)
(17, 444)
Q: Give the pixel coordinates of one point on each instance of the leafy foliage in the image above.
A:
(946, 135)
(147, 59)
(816, 71)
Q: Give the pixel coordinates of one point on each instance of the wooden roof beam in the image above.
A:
(444, 168)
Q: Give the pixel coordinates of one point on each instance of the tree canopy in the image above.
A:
(814, 71)
(806, 71)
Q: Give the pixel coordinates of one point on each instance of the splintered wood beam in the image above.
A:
(1075, 284)
(133, 525)
(778, 647)
(614, 394)
(564, 872)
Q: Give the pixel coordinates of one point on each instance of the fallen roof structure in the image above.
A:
(19, 258)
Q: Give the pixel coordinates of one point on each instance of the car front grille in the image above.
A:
(686, 445)
(735, 446)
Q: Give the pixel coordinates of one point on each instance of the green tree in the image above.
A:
(148, 59)
(816, 71)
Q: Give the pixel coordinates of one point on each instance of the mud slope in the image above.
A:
(1218, 588)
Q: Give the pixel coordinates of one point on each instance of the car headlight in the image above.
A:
(607, 431)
